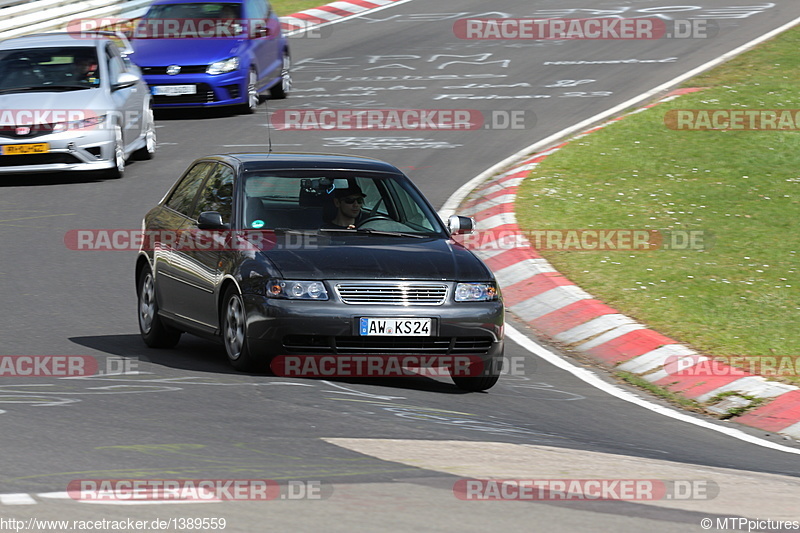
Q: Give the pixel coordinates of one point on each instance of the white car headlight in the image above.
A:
(221, 67)
(476, 292)
(297, 290)
(79, 124)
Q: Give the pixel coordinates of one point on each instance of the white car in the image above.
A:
(72, 102)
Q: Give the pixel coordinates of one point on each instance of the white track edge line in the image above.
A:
(347, 17)
(588, 377)
(592, 379)
(457, 197)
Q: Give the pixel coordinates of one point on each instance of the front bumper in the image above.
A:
(300, 327)
(67, 151)
(212, 91)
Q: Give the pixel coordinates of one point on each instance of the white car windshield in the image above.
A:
(72, 68)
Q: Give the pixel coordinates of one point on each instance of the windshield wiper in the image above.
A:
(376, 232)
(295, 231)
(43, 88)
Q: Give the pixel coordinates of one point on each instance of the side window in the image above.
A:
(217, 194)
(257, 9)
(182, 197)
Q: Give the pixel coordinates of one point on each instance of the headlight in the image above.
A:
(297, 290)
(221, 67)
(476, 292)
(79, 124)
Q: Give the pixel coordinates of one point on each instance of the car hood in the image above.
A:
(374, 257)
(165, 52)
(84, 102)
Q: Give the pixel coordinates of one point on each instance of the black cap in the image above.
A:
(352, 190)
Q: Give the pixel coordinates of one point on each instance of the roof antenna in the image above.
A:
(269, 127)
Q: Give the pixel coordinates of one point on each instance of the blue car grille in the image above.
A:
(189, 69)
(204, 95)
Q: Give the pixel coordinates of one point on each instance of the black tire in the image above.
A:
(154, 332)
(485, 377)
(148, 151)
(118, 170)
(475, 384)
(252, 98)
(233, 324)
(282, 89)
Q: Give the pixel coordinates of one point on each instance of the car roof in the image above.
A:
(265, 161)
(65, 39)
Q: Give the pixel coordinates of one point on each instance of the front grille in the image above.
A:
(318, 344)
(10, 132)
(36, 159)
(392, 293)
(204, 95)
(188, 69)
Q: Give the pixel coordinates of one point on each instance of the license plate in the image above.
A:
(395, 327)
(174, 90)
(23, 149)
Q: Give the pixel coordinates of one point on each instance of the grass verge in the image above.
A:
(287, 7)
(740, 293)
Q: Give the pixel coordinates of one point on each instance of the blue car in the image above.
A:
(211, 54)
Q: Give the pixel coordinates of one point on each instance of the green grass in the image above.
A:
(287, 7)
(741, 295)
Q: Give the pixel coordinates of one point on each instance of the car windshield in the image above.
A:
(210, 10)
(57, 69)
(313, 200)
(212, 19)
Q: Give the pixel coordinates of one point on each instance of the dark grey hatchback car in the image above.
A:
(316, 256)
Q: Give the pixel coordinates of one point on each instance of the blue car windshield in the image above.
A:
(192, 20)
(49, 68)
(212, 10)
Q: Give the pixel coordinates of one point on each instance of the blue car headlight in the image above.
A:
(297, 290)
(221, 67)
(476, 292)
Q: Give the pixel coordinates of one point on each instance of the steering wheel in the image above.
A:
(373, 218)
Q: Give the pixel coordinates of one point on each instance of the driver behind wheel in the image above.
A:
(348, 204)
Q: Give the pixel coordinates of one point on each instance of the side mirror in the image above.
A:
(210, 220)
(126, 79)
(460, 225)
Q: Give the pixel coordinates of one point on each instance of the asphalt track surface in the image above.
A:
(387, 453)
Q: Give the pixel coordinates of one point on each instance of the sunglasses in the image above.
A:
(351, 200)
